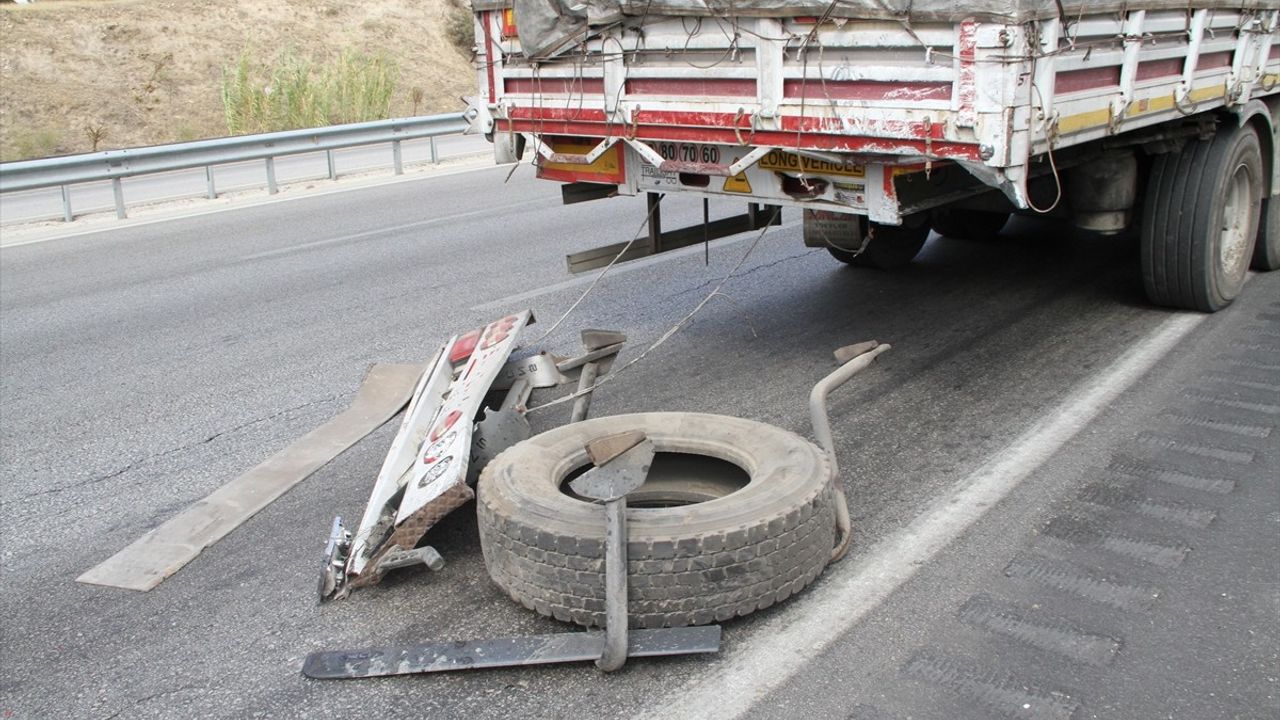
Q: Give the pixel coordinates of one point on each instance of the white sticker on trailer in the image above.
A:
(851, 194)
(652, 177)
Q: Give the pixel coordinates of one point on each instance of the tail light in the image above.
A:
(509, 23)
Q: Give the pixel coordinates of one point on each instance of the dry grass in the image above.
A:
(143, 73)
(294, 91)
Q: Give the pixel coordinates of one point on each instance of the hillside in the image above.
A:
(138, 72)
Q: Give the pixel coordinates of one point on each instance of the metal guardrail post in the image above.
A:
(271, 176)
(211, 191)
(117, 189)
(397, 158)
(435, 156)
(333, 165)
(66, 205)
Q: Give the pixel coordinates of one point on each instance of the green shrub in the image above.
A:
(295, 92)
(460, 28)
(33, 143)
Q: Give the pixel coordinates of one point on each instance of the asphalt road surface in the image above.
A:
(1066, 503)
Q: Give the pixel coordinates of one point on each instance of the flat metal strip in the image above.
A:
(166, 549)
(503, 652)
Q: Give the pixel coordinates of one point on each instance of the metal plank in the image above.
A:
(503, 652)
(670, 240)
(163, 551)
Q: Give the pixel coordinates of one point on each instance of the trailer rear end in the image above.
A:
(881, 120)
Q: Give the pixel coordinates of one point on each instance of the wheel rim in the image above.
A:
(1233, 242)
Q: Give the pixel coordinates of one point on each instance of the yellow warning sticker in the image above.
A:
(789, 162)
(738, 183)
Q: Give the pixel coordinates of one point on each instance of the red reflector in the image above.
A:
(509, 23)
(445, 424)
(464, 347)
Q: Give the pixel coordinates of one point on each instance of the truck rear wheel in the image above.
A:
(1200, 220)
(734, 516)
(966, 224)
(887, 246)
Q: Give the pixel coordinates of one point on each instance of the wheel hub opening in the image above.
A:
(677, 479)
(1233, 255)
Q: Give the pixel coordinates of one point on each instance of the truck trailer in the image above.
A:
(881, 120)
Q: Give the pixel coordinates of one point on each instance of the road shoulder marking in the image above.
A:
(814, 620)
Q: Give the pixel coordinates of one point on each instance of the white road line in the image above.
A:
(391, 229)
(518, 299)
(817, 618)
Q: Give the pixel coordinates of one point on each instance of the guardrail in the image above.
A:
(115, 165)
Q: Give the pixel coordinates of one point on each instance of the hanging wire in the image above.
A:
(671, 331)
(648, 218)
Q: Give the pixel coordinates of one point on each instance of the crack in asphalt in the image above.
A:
(166, 453)
(152, 696)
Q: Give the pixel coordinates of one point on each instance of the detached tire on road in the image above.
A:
(736, 515)
(1200, 220)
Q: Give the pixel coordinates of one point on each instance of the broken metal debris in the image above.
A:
(621, 463)
(453, 426)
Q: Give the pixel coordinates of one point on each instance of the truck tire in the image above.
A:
(966, 224)
(700, 549)
(1200, 219)
(1266, 253)
(889, 246)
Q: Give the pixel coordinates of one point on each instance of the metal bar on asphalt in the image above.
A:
(503, 652)
(397, 158)
(211, 190)
(117, 190)
(66, 205)
(435, 155)
(582, 405)
(271, 176)
(165, 550)
(332, 163)
(614, 654)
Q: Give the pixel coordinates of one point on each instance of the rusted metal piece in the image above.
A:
(855, 358)
(696, 168)
(607, 448)
(407, 533)
(582, 404)
(849, 352)
(424, 476)
(601, 347)
(624, 463)
(589, 357)
(755, 218)
(450, 431)
(569, 158)
(503, 652)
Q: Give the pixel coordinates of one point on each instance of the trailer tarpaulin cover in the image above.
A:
(548, 27)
